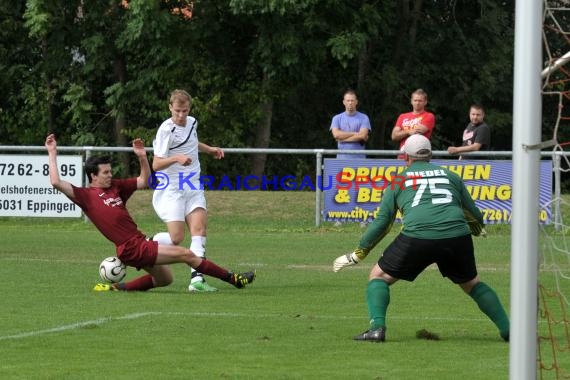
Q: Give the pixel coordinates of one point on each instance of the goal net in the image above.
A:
(554, 266)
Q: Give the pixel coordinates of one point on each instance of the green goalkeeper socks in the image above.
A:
(377, 299)
(489, 303)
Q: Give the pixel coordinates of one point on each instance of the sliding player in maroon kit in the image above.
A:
(104, 202)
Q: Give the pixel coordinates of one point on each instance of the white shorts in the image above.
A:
(174, 205)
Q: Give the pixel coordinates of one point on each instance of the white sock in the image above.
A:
(163, 238)
(198, 246)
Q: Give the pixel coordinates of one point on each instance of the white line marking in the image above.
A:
(74, 326)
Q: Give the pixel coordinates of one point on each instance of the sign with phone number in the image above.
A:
(25, 188)
(356, 194)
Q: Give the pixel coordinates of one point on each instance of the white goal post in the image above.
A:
(527, 116)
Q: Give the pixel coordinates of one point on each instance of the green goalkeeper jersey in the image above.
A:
(431, 200)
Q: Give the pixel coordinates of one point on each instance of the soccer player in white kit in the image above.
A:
(181, 202)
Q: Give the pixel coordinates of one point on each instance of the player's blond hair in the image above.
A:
(180, 96)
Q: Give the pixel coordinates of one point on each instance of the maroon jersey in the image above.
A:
(106, 208)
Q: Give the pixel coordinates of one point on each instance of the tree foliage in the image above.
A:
(262, 73)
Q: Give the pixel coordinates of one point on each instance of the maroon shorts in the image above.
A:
(138, 252)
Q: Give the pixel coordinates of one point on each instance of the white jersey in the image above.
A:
(172, 139)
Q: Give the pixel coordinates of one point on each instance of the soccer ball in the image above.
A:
(112, 269)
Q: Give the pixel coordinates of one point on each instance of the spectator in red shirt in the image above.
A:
(417, 121)
(104, 202)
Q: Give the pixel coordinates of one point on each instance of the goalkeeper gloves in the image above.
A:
(344, 261)
(477, 229)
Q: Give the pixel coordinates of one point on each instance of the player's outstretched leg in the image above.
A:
(158, 276)
(239, 280)
(168, 254)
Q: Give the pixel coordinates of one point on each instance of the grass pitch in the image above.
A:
(295, 322)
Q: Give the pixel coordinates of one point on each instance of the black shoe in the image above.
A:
(505, 337)
(378, 335)
(240, 280)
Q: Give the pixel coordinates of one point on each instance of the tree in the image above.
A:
(263, 73)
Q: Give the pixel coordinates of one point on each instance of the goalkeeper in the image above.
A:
(439, 217)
